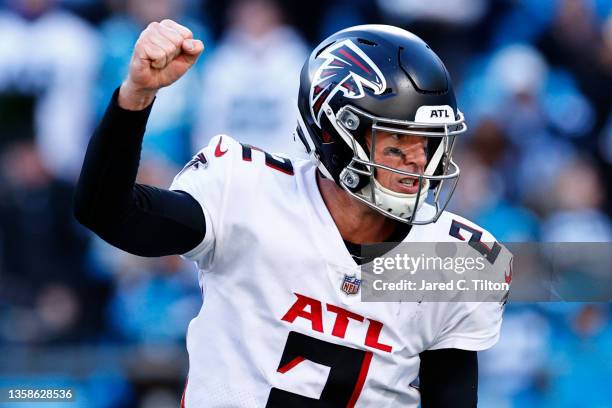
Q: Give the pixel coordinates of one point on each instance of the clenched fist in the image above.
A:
(163, 53)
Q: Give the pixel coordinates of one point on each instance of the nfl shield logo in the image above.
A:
(350, 284)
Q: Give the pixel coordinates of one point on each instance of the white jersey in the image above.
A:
(275, 327)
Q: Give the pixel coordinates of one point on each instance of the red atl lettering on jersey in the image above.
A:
(341, 322)
(299, 310)
(373, 334)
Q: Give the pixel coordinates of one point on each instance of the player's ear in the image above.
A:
(367, 137)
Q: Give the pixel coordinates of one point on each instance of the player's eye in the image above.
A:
(392, 151)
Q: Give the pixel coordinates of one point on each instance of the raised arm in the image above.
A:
(140, 219)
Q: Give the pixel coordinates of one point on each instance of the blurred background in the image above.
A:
(533, 77)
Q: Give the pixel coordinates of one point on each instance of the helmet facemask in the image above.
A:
(354, 83)
(358, 178)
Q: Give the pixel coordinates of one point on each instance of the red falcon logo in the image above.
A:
(348, 69)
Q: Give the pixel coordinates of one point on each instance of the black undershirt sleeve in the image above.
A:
(137, 218)
(448, 378)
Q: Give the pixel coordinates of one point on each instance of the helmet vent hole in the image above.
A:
(366, 42)
(324, 48)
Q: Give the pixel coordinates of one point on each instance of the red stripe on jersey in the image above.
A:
(291, 364)
(282, 170)
(184, 391)
(363, 373)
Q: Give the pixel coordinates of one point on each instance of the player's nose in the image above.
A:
(417, 157)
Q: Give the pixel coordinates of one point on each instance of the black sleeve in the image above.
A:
(448, 378)
(139, 219)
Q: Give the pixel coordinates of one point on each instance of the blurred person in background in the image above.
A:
(516, 372)
(575, 206)
(580, 357)
(250, 81)
(173, 118)
(49, 52)
(541, 114)
(440, 20)
(575, 40)
(487, 190)
(154, 301)
(345, 13)
(49, 294)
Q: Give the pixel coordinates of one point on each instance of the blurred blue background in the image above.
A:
(533, 77)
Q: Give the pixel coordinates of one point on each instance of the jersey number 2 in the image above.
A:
(348, 368)
(277, 163)
(490, 254)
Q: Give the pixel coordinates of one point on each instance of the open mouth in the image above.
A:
(408, 185)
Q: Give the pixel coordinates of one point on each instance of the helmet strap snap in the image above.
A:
(349, 178)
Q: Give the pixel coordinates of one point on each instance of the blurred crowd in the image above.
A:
(533, 77)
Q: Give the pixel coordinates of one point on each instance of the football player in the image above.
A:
(276, 241)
